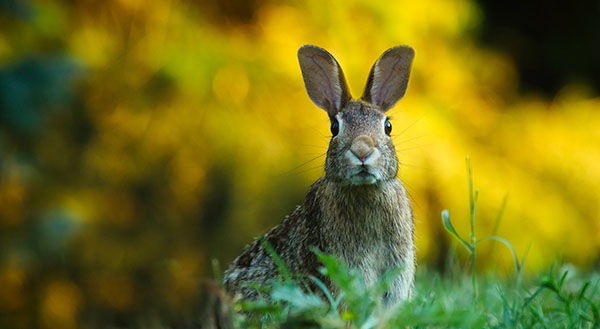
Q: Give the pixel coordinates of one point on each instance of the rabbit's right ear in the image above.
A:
(323, 79)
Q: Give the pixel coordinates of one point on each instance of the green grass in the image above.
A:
(563, 297)
(560, 298)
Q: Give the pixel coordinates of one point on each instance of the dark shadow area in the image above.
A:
(553, 43)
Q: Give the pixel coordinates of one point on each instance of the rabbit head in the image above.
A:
(361, 151)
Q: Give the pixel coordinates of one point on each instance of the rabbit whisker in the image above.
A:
(410, 165)
(405, 140)
(303, 164)
(316, 146)
(309, 169)
(409, 126)
(410, 148)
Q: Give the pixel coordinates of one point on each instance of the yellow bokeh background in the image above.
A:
(198, 135)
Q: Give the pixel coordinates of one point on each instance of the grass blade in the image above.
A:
(450, 228)
(507, 244)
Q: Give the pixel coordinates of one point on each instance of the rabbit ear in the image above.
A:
(389, 77)
(323, 79)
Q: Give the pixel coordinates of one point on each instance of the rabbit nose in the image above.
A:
(362, 147)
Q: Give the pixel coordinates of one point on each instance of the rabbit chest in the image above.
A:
(370, 230)
(366, 248)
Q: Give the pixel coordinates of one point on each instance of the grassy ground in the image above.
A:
(561, 298)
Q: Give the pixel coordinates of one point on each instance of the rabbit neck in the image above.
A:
(365, 205)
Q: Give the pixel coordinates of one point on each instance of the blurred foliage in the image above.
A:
(138, 140)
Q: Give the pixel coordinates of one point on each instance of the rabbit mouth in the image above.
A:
(363, 177)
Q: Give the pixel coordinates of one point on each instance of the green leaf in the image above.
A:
(595, 311)
(450, 228)
(583, 289)
(293, 294)
(562, 279)
(326, 292)
(533, 295)
(548, 283)
(507, 244)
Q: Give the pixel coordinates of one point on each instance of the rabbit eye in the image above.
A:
(388, 127)
(335, 128)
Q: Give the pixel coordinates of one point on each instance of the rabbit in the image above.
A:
(358, 211)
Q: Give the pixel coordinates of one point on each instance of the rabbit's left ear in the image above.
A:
(388, 79)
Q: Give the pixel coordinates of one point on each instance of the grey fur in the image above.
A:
(323, 79)
(358, 211)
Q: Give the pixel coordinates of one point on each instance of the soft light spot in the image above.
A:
(60, 305)
(230, 84)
